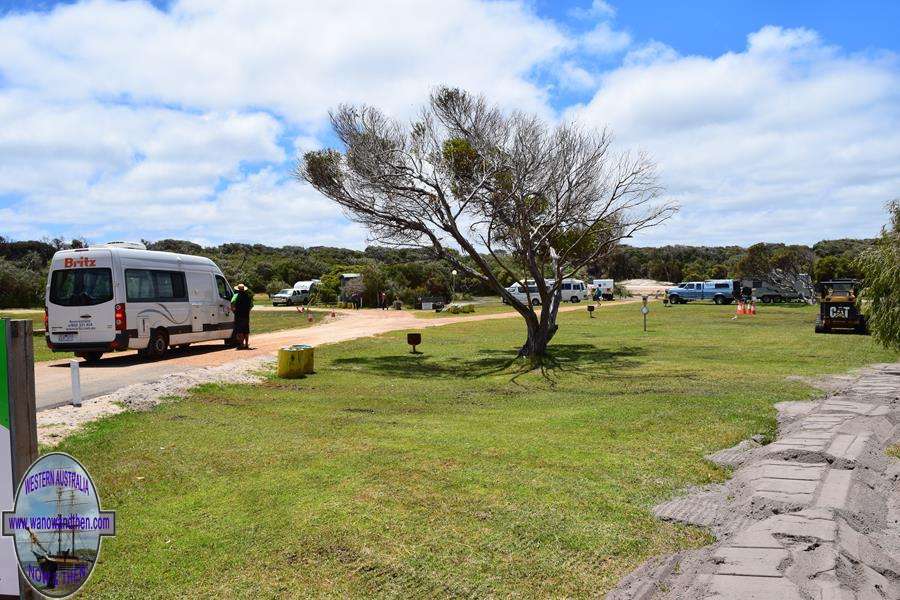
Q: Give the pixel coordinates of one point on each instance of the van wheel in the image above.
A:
(535, 302)
(673, 299)
(575, 299)
(718, 300)
(159, 343)
(767, 299)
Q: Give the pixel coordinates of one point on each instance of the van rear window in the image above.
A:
(81, 287)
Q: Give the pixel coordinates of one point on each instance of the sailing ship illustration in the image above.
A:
(68, 562)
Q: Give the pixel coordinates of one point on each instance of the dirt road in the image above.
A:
(53, 379)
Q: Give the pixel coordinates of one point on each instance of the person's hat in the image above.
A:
(240, 287)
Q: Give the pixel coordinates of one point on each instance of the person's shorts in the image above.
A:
(242, 325)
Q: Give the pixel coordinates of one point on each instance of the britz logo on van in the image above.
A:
(71, 263)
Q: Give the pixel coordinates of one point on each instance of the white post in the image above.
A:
(76, 383)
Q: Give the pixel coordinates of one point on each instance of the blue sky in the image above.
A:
(775, 121)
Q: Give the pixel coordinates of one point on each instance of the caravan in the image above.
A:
(121, 296)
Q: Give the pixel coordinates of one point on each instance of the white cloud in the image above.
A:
(571, 76)
(598, 8)
(789, 140)
(650, 52)
(120, 118)
(603, 39)
(297, 59)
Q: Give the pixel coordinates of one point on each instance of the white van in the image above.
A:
(572, 290)
(122, 296)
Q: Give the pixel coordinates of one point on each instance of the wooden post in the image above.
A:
(22, 414)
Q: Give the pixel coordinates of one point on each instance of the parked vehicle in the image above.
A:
(604, 289)
(768, 292)
(289, 297)
(572, 290)
(297, 295)
(122, 296)
(720, 291)
(837, 307)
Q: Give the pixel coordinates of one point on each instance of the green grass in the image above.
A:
(270, 320)
(452, 472)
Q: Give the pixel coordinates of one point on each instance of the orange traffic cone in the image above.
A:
(740, 308)
(752, 308)
(332, 313)
(302, 308)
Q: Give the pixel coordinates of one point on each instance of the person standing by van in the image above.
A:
(241, 303)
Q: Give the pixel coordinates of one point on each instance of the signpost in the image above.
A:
(645, 310)
(18, 435)
(9, 570)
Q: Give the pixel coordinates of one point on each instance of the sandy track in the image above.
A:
(122, 369)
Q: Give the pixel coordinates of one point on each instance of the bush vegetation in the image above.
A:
(405, 274)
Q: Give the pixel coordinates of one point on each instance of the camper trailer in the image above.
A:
(121, 296)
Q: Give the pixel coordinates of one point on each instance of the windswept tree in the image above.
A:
(880, 298)
(519, 199)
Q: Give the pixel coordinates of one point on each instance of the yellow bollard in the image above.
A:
(295, 361)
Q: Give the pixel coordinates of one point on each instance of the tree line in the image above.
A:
(408, 274)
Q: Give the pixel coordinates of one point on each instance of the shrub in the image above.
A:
(273, 287)
(880, 298)
(20, 288)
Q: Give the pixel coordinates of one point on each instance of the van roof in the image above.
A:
(139, 254)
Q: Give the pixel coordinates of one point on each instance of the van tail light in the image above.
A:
(46, 320)
(121, 323)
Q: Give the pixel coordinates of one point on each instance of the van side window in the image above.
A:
(567, 286)
(139, 285)
(170, 286)
(722, 286)
(224, 290)
(142, 285)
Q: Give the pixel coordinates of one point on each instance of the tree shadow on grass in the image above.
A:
(563, 358)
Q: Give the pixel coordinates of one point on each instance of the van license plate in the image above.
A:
(66, 337)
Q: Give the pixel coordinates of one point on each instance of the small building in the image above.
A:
(347, 280)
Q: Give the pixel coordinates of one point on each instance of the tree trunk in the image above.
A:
(540, 332)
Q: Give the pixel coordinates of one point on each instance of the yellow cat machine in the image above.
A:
(838, 310)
